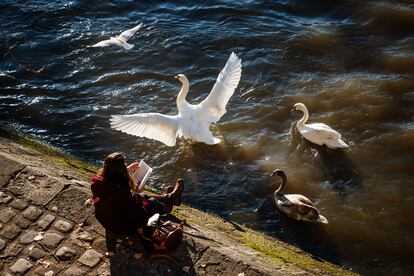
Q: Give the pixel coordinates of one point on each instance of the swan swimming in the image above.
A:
(318, 133)
(192, 121)
(120, 40)
(296, 206)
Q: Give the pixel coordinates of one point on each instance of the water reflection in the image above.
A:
(339, 169)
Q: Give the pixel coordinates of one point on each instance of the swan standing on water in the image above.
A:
(120, 40)
(192, 121)
(318, 133)
(296, 206)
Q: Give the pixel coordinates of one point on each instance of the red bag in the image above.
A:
(163, 237)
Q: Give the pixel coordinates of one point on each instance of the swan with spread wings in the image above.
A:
(192, 121)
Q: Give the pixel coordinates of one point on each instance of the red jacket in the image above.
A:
(116, 208)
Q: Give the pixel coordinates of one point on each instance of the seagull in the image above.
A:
(121, 40)
(192, 121)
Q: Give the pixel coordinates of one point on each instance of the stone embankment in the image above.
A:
(46, 229)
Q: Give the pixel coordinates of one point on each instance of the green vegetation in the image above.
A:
(55, 154)
(290, 254)
(276, 250)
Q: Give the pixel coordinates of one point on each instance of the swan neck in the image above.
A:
(282, 186)
(305, 117)
(182, 94)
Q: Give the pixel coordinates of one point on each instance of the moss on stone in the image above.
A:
(53, 153)
(276, 250)
(290, 254)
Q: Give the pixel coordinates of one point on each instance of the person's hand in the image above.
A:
(133, 167)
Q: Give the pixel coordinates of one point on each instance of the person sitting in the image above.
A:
(117, 208)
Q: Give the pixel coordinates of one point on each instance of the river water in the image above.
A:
(350, 62)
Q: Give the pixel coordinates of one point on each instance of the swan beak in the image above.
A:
(273, 173)
(176, 77)
(293, 109)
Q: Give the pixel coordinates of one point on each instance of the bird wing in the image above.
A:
(104, 43)
(298, 199)
(326, 131)
(305, 200)
(125, 35)
(223, 89)
(151, 125)
(307, 210)
(127, 46)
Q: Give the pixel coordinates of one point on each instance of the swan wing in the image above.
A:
(223, 89)
(299, 199)
(325, 131)
(105, 43)
(304, 200)
(286, 204)
(319, 133)
(150, 125)
(125, 35)
(307, 210)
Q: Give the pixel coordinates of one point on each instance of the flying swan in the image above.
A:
(192, 121)
(318, 133)
(120, 40)
(296, 206)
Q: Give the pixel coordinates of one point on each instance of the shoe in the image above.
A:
(175, 195)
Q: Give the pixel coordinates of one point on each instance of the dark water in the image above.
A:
(350, 62)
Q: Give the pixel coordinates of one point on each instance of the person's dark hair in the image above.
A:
(115, 170)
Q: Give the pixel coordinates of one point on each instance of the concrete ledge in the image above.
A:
(45, 227)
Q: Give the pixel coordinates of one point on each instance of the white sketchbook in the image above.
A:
(141, 176)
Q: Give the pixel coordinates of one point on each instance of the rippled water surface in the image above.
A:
(350, 62)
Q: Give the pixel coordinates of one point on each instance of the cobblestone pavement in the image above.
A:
(46, 229)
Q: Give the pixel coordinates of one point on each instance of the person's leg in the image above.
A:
(157, 206)
(173, 196)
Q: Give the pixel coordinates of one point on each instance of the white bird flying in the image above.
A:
(192, 121)
(318, 133)
(121, 40)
